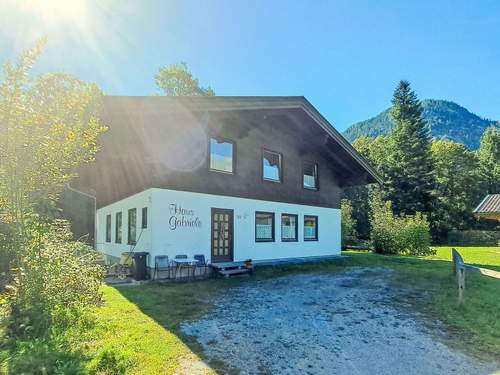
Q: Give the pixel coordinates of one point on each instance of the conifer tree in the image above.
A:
(489, 159)
(410, 181)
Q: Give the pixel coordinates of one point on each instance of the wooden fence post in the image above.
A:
(461, 285)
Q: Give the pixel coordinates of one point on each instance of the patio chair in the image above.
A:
(161, 264)
(200, 263)
(180, 267)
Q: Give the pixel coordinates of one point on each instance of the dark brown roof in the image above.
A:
(490, 204)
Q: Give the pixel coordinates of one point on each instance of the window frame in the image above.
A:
(108, 228)
(118, 228)
(296, 239)
(280, 181)
(144, 218)
(316, 177)
(316, 238)
(209, 155)
(129, 242)
(273, 227)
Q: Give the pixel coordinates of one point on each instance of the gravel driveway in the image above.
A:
(325, 324)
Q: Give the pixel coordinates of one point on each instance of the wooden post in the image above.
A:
(461, 285)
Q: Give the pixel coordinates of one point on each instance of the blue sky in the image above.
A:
(344, 56)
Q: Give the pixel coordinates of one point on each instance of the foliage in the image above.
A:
(48, 127)
(408, 181)
(474, 237)
(489, 159)
(59, 277)
(348, 223)
(458, 188)
(446, 120)
(177, 80)
(403, 234)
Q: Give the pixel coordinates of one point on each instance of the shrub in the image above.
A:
(408, 235)
(59, 277)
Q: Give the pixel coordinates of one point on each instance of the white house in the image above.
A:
(231, 178)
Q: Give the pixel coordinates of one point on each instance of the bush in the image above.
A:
(408, 235)
(58, 278)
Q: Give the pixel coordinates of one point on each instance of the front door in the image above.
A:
(222, 235)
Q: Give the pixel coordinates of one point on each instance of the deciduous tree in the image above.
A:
(177, 80)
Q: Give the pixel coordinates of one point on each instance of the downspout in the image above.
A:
(95, 208)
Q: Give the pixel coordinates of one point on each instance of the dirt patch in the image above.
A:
(322, 324)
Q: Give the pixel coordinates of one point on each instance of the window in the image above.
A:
(289, 227)
(271, 166)
(108, 228)
(144, 218)
(311, 176)
(310, 228)
(132, 221)
(221, 155)
(118, 228)
(264, 226)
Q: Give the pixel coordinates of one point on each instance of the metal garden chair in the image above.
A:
(161, 264)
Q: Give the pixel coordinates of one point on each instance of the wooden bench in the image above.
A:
(459, 269)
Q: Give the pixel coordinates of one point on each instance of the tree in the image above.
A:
(348, 222)
(177, 80)
(48, 127)
(489, 159)
(409, 182)
(457, 186)
(375, 151)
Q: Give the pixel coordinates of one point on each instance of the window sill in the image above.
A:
(222, 172)
(270, 240)
(273, 181)
(310, 188)
(310, 239)
(288, 240)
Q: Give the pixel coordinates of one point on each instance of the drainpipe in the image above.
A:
(94, 199)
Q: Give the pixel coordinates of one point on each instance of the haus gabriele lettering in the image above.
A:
(181, 217)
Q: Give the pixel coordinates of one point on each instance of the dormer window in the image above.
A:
(221, 155)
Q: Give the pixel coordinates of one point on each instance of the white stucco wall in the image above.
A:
(160, 239)
(137, 201)
(196, 240)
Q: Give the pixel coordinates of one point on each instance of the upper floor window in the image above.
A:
(289, 227)
(271, 166)
(108, 228)
(144, 218)
(118, 228)
(221, 155)
(132, 229)
(311, 176)
(264, 226)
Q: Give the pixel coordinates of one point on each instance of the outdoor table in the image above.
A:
(183, 261)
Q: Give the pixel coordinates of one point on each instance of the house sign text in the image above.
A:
(181, 217)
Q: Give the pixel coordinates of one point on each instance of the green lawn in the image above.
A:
(137, 330)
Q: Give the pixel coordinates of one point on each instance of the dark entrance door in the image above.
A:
(222, 235)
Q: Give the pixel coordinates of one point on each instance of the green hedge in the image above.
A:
(474, 237)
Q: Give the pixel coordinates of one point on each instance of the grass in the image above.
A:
(138, 329)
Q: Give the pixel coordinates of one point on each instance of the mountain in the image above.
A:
(446, 120)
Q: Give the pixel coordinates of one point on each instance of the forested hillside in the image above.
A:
(447, 120)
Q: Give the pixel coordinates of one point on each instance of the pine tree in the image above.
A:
(410, 181)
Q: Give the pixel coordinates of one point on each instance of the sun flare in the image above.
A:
(54, 11)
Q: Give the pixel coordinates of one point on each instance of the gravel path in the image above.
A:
(324, 324)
